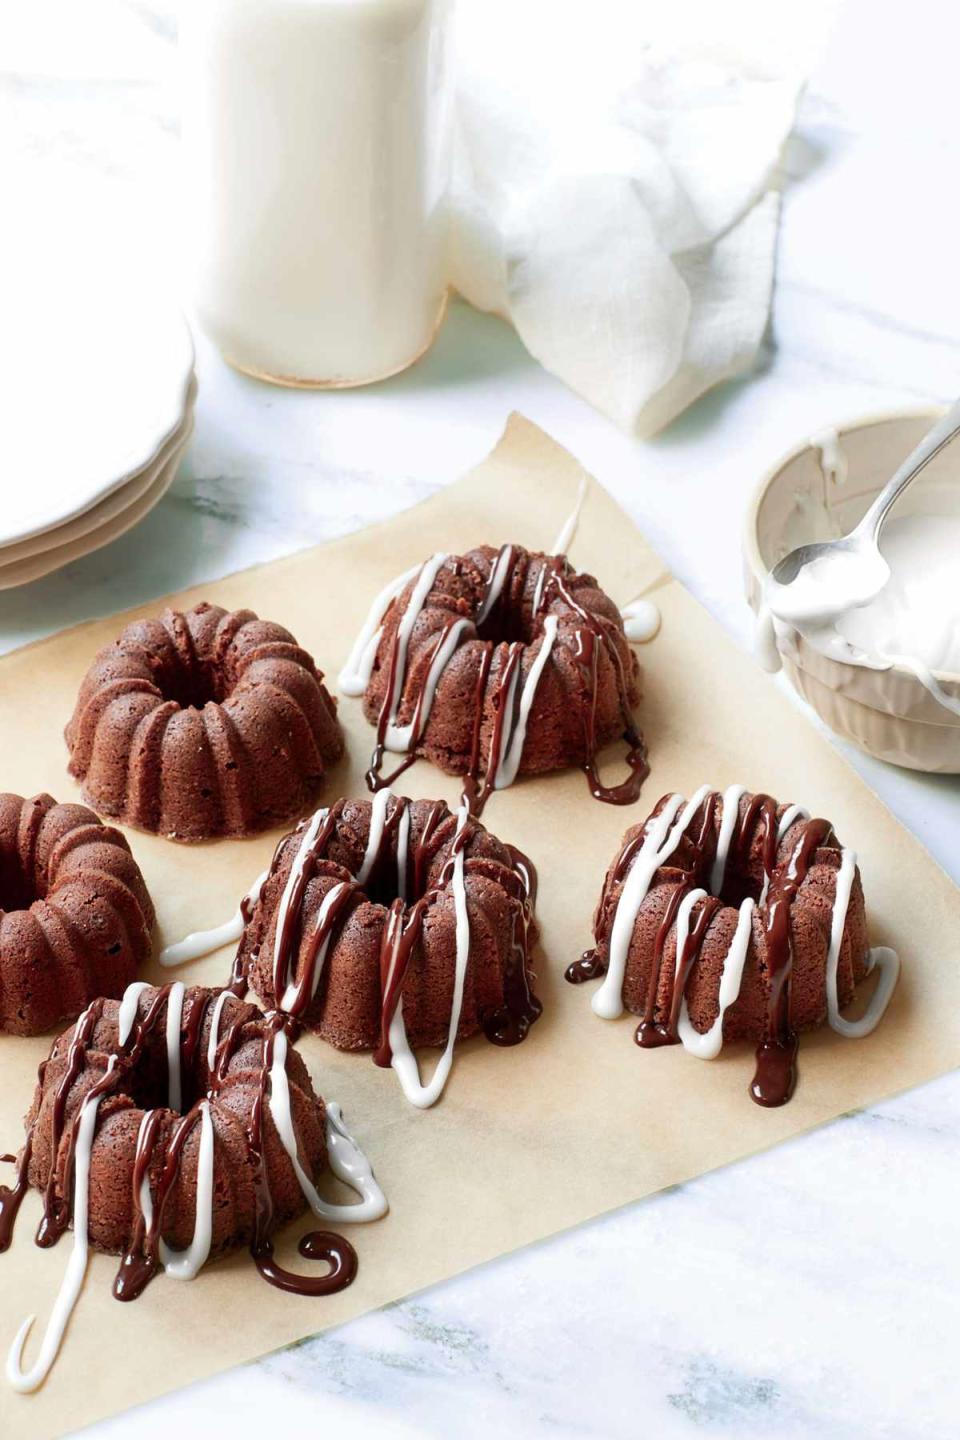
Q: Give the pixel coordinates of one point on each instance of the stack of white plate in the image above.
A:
(102, 378)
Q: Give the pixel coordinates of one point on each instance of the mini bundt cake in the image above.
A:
(389, 924)
(172, 1126)
(495, 664)
(731, 917)
(75, 916)
(203, 724)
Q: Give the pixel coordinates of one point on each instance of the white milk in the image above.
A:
(316, 146)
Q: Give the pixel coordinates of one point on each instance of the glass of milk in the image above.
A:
(316, 141)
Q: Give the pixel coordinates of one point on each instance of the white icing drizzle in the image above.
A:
(296, 870)
(174, 1017)
(378, 820)
(659, 844)
(925, 675)
(731, 814)
(641, 621)
(885, 960)
(26, 1381)
(127, 1014)
(402, 738)
(403, 1060)
(214, 1039)
(355, 675)
(538, 589)
(833, 461)
(403, 849)
(186, 1264)
(765, 642)
(507, 763)
(293, 988)
(347, 1160)
(790, 816)
(709, 1045)
(204, 942)
(498, 576)
(418, 597)
(565, 539)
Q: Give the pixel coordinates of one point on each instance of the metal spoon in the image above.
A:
(815, 583)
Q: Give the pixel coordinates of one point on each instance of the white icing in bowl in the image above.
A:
(917, 613)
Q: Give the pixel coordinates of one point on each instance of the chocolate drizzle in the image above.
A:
(596, 635)
(757, 825)
(590, 966)
(56, 1205)
(510, 1024)
(11, 1196)
(139, 1263)
(585, 634)
(776, 1075)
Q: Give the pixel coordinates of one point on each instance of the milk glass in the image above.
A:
(316, 147)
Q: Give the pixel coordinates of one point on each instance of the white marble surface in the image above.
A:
(809, 1292)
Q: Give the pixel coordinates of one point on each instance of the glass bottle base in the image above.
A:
(296, 382)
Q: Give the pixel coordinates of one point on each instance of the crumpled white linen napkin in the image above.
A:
(615, 191)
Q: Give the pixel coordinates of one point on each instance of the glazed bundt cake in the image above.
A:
(75, 916)
(389, 924)
(172, 1126)
(495, 664)
(202, 724)
(729, 917)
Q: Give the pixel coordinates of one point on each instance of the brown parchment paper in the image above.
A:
(577, 1120)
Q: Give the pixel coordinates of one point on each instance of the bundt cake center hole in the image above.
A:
(383, 886)
(149, 1087)
(194, 686)
(17, 892)
(736, 888)
(506, 624)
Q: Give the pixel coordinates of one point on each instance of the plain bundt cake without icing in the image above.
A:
(495, 664)
(730, 916)
(75, 916)
(201, 724)
(394, 923)
(173, 1126)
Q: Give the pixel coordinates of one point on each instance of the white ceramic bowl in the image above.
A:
(888, 713)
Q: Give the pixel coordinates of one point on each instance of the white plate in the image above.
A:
(96, 367)
(105, 510)
(24, 571)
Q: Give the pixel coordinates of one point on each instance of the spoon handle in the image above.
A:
(932, 443)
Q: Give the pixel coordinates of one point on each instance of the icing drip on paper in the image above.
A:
(26, 1381)
(355, 675)
(321, 1245)
(347, 1160)
(204, 942)
(570, 526)
(641, 621)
